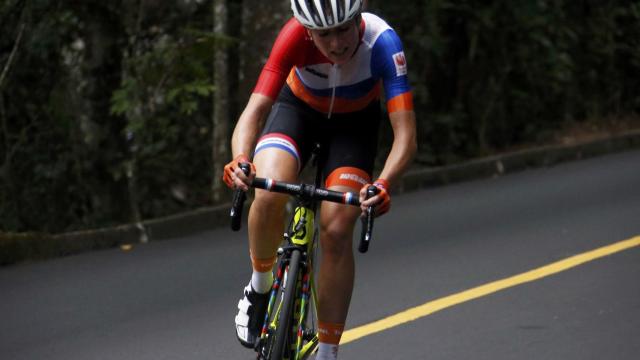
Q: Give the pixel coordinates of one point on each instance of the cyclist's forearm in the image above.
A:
(250, 124)
(404, 146)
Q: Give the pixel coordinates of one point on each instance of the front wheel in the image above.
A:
(283, 338)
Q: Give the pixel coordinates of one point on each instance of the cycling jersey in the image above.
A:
(332, 88)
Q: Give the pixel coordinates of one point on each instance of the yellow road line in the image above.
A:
(483, 290)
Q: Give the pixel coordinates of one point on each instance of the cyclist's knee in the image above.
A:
(269, 201)
(275, 164)
(337, 231)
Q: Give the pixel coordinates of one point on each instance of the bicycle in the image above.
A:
(288, 332)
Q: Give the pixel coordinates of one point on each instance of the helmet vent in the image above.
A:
(324, 14)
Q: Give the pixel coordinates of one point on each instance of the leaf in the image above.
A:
(120, 102)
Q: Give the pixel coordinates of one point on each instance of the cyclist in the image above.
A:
(321, 83)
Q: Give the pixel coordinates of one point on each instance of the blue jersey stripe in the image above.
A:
(351, 92)
(278, 146)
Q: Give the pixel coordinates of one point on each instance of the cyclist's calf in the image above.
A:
(335, 282)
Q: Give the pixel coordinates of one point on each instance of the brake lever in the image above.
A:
(367, 221)
(237, 203)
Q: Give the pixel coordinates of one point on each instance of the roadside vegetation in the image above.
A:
(117, 111)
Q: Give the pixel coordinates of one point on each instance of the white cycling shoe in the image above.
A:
(251, 311)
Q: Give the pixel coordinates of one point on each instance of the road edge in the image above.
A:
(19, 248)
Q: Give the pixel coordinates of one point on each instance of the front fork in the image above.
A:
(301, 349)
(302, 236)
(303, 334)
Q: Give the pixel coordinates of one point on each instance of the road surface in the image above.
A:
(176, 299)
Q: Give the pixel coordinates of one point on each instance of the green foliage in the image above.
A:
(490, 75)
(170, 72)
(167, 84)
(38, 171)
(64, 157)
(109, 104)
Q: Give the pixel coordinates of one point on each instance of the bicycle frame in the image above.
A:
(301, 235)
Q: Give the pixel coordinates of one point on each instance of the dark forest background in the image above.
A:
(116, 111)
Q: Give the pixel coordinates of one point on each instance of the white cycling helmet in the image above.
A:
(325, 14)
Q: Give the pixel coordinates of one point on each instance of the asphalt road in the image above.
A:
(176, 299)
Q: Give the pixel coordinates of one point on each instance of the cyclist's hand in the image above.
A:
(234, 177)
(381, 202)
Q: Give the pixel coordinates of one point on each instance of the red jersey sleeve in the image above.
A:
(288, 50)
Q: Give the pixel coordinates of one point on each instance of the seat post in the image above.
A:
(317, 160)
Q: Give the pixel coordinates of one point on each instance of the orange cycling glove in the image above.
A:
(384, 204)
(231, 167)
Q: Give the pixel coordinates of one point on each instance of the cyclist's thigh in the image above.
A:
(352, 145)
(283, 146)
(351, 150)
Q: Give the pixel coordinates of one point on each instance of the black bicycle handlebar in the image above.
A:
(306, 191)
(237, 203)
(309, 192)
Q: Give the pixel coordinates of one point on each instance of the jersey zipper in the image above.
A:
(333, 81)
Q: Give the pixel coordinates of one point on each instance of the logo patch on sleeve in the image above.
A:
(401, 63)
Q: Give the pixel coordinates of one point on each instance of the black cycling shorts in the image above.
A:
(348, 141)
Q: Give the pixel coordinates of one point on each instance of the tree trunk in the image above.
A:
(220, 129)
(6, 178)
(102, 131)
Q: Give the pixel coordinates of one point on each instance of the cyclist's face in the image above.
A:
(339, 43)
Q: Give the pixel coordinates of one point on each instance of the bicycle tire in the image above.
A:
(283, 331)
